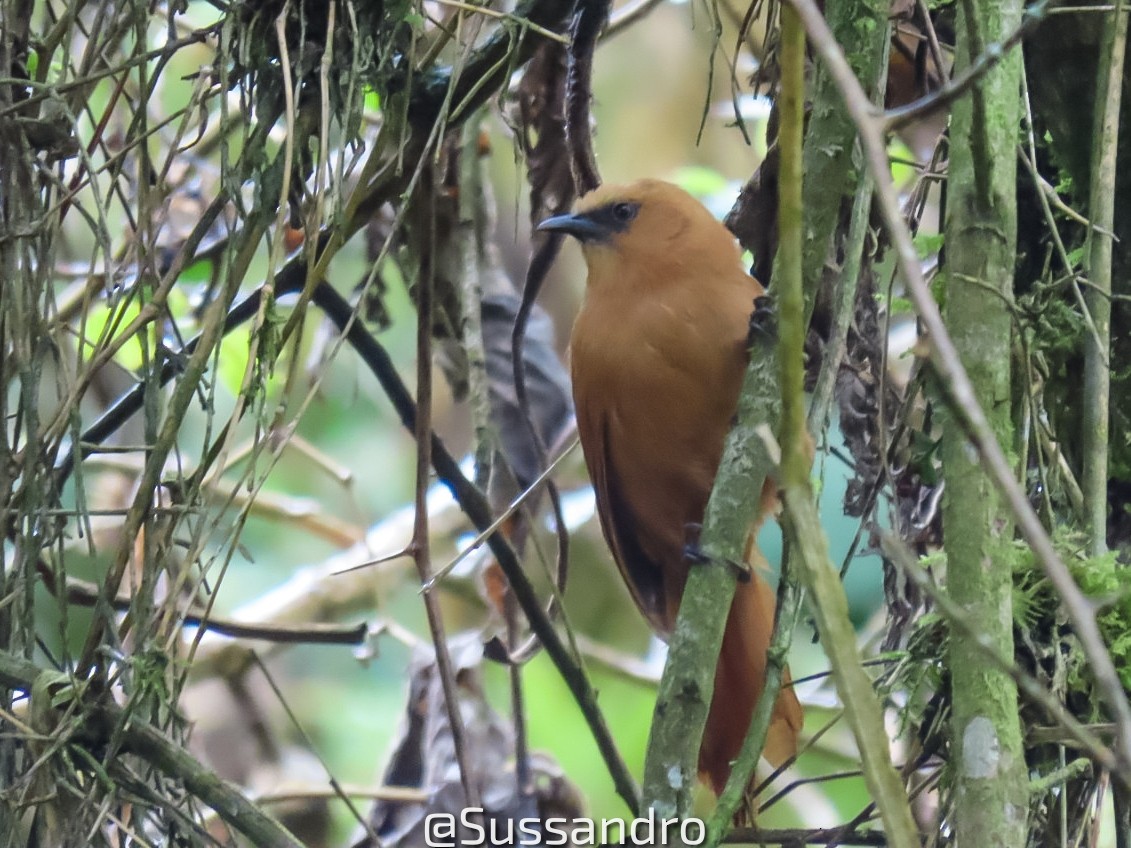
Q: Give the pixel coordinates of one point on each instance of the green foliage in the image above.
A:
(902, 171)
(928, 244)
(924, 457)
(1057, 328)
(938, 288)
(1104, 581)
(896, 305)
(902, 306)
(1101, 579)
(920, 674)
(1045, 645)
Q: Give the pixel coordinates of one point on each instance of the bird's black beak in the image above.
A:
(582, 227)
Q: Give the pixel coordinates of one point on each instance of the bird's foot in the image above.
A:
(763, 321)
(693, 554)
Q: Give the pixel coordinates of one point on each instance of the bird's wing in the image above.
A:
(641, 571)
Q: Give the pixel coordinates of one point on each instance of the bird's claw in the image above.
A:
(695, 555)
(692, 553)
(763, 321)
(742, 572)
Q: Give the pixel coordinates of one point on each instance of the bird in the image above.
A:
(657, 357)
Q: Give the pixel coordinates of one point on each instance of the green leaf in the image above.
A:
(928, 244)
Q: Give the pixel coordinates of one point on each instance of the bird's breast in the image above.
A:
(656, 383)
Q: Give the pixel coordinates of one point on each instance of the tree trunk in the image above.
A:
(988, 758)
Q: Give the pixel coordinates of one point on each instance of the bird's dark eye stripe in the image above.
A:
(616, 216)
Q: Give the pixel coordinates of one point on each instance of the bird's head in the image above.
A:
(648, 224)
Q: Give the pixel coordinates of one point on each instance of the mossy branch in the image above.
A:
(688, 681)
(792, 114)
(802, 522)
(831, 162)
(104, 722)
(862, 708)
(689, 676)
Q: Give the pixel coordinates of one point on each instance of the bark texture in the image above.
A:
(981, 228)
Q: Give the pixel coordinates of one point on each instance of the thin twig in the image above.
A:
(627, 16)
(785, 620)
(1074, 10)
(314, 792)
(312, 748)
(540, 263)
(421, 551)
(846, 286)
(1046, 194)
(932, 37)
(86, 594)
(476, 543)
(506, 16)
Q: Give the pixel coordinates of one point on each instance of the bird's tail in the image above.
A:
(739, 680)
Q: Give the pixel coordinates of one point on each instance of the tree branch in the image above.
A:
(106, 723)
(1097, 348)
(802, 522)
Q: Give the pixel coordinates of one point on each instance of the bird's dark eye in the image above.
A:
(625, 212)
